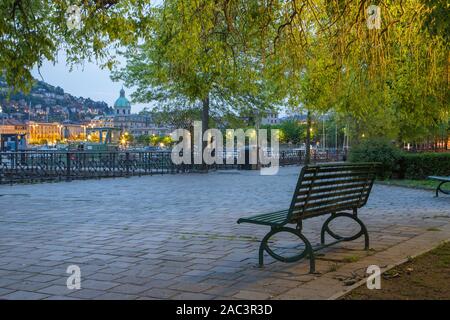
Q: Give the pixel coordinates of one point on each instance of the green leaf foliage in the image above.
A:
(377, 150)
(422, 165)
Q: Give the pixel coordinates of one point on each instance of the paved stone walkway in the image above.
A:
(176, 237)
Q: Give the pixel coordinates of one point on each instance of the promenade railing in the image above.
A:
(35, 166)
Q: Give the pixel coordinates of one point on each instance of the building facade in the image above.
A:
(271, 118)
(12, 135)
(45, 132)
(122, 107)
(123, 119)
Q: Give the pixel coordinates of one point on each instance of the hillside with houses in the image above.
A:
(48, 103)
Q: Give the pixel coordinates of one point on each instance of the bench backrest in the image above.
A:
(325, 189)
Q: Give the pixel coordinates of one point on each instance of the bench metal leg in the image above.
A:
(308, 251)
(363, 231)
(439, 188)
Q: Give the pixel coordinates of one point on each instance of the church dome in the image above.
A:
(122, 102)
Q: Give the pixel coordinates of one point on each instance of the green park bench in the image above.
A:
(442, 180)
(335, 189)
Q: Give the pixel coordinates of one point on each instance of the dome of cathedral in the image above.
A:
(122, 102)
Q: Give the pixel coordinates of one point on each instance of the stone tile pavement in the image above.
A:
(176, 237)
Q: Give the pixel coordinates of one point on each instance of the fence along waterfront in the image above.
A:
(35, 166)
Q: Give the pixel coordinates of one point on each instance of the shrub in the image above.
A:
(421, 165)
(377, 150)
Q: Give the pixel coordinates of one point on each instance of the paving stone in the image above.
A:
(86, 294)
(160, 293)
(165, 276)
(24, 295)
(103, 276)
(192, 296)
(98, 285)
(191, 287)
(43, 278)
(129, 289)
(5, 282)
(55, 290)
(252, 295)
(116, 296)
(28, 285)
(4, 291)
(61, 298)
(187, 246)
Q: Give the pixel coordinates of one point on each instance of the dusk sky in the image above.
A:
(88, 81)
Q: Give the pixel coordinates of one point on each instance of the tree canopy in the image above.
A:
(191, 55)
(34, 31)
(252, 54)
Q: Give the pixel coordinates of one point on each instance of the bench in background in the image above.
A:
(442, 180)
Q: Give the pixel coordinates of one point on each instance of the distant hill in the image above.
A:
(49, 103)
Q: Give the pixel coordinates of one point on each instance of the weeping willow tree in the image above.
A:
(394, 81)
(315, 54)
(195, 54)
(32, 32)
(390, 80)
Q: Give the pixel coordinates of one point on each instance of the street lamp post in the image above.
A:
(323, 135)
(257, 126)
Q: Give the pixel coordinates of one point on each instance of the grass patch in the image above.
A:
(349, 259)
(423, 277)
(426, 184)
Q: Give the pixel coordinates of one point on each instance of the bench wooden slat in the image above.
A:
(337, 168)
(274, 218)
(331, 189)
(325, 189)
(345, 175)
(439, 178)
(327, 209)
(320, 195)
(271, 216)
(319, 183)
(325, 201)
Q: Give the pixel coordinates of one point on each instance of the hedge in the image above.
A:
(421, 165)
(379, 150)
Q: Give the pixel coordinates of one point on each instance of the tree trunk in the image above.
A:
(205, 127)
(257, 127)
(308, 139)
(191, 131)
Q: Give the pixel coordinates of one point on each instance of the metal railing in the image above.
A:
(292, 157)
(35, 166)
(55, 165)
